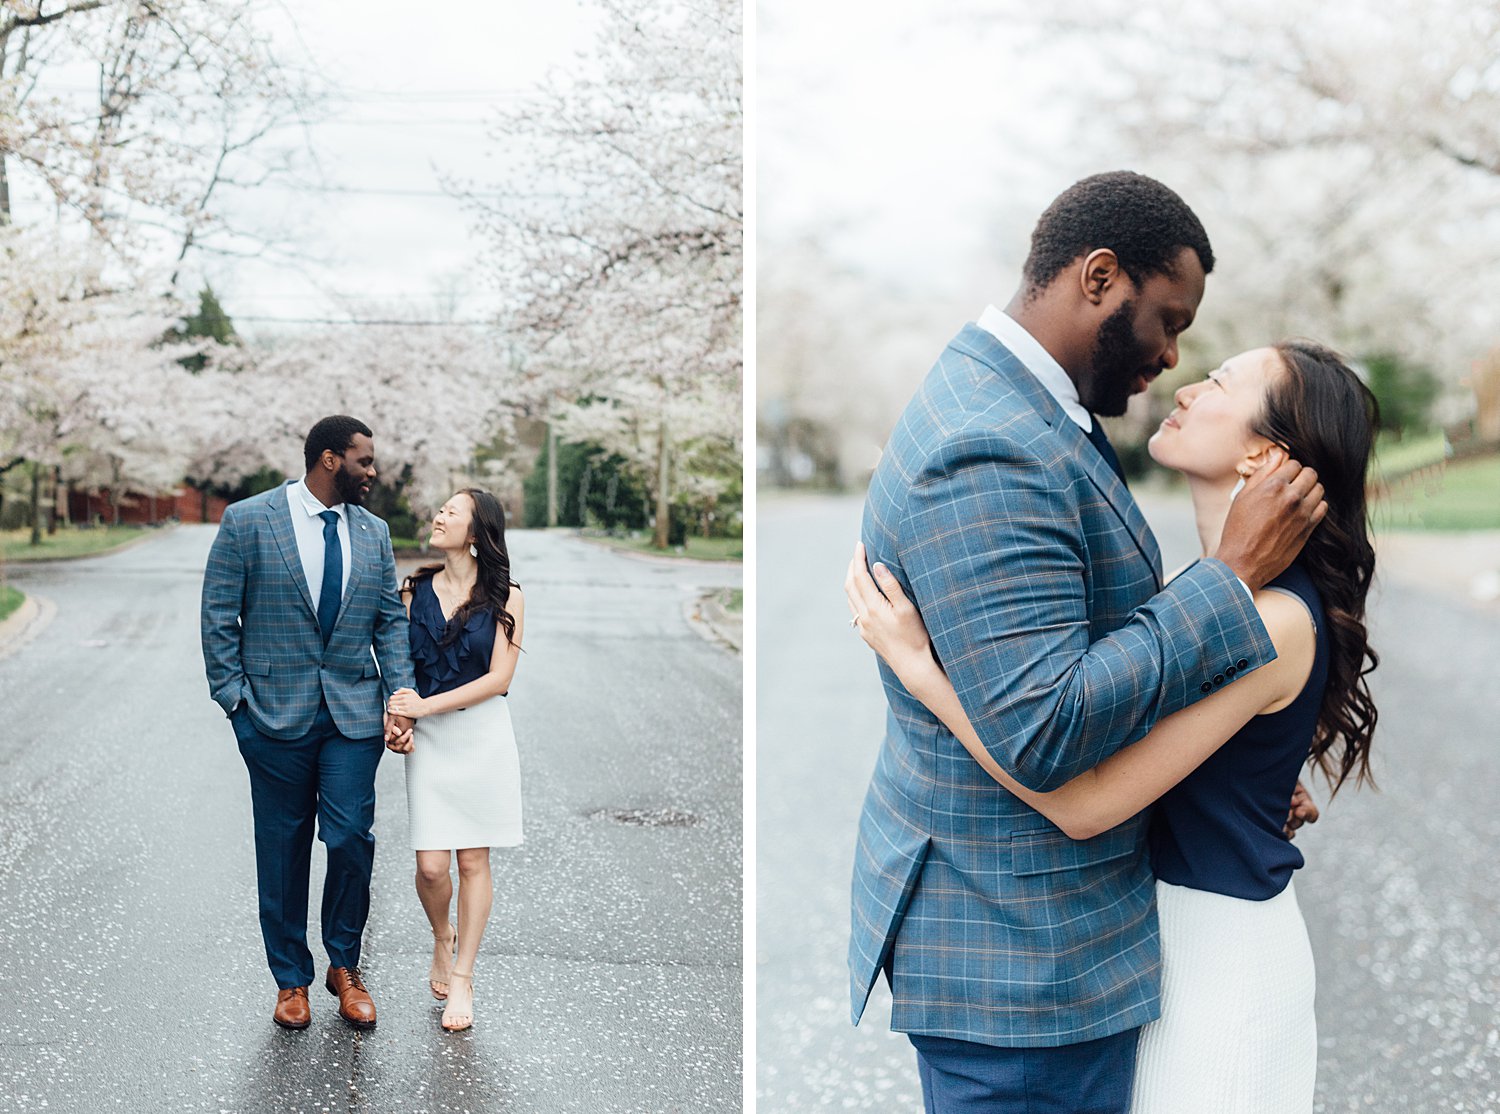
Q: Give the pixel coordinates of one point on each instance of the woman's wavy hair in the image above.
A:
(492, 587)
(1322, 414)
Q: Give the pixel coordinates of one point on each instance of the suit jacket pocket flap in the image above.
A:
(257, 668)
(1043, 850)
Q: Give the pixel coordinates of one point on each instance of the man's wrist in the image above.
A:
(1236, 572)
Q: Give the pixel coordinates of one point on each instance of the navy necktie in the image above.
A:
(1106, 450)
(333, 575)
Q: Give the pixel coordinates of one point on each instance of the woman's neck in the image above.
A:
(1211, 499)
(459, 569)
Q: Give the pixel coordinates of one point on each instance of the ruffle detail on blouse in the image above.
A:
(438, 667)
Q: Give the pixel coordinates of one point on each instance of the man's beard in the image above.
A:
(1110, 382)
(347, 484)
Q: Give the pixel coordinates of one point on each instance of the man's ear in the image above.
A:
(1099, 272)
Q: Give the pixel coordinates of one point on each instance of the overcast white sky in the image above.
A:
(919, 144)
(417, 86)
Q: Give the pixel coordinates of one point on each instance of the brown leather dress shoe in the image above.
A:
(292, 1008)
(355, 1004)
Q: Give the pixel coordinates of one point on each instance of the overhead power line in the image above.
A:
(238, 317)
(428, 94)
(397, 191)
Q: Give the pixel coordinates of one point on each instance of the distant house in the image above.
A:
(185, 504)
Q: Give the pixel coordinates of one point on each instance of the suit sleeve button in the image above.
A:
(1206, 686)
(1229, 671)
(1242, 664)
(1218, 678)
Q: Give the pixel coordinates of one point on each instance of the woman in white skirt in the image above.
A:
(463, 775)
(1236, 1033)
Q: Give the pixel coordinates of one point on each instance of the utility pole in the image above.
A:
(551, 473)
(663, 479)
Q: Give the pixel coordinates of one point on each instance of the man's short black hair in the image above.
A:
(1143, 222)
(336, 433)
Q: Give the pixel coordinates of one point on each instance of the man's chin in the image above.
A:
(1111, 407)
(1104, 397)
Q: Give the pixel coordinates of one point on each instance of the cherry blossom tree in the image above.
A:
(132, 117)
(1345, 162)
(838, 353)
(122, 122)
(85, 376)
(617, 234)
(433, 396)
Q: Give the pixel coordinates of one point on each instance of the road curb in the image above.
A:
(657, 558)
(28, 621)
(714, 622)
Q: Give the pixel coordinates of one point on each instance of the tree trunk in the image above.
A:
(36, 503)
(551, 474)
(203, 503)
(62, 510)
(663, 489)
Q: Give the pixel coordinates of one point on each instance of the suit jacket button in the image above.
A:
(1242, 664)
(1218, 678)
(1206, 686)
(1229, 671)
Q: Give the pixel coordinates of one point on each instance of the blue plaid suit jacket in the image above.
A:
(1040, 584)
(261, 640)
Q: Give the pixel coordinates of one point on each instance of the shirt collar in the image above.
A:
(310, 502)
(1037, 360)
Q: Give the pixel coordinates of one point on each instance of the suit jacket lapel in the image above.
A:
(1114, 490)
(984, 347)
(286, 540)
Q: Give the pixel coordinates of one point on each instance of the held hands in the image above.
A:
(884, 617)
(406, 703)
(1271, 519)
(398, 733)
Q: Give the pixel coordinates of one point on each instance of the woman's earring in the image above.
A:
(473, 550)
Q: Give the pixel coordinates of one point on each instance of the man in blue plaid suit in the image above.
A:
(300, 587)
(1022, 963)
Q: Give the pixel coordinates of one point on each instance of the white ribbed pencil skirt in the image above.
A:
(1237, 1033)
(463, 780)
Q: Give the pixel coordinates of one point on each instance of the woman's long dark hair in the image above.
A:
(491, 591)
(1322, 414)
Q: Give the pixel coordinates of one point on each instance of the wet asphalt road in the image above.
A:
(134, 977)
(1401, 893)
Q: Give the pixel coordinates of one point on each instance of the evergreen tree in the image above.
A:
(210, 322)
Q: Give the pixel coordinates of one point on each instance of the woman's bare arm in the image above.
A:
(495, 682)
(1129, 780)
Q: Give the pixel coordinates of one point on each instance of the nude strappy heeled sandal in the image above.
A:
(432, 983)
(468, 1020)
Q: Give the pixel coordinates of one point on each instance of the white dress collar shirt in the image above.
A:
(305, 507)
(1037, 360)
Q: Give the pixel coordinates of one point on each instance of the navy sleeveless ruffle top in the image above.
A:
(439, 668)
(1220, 828)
